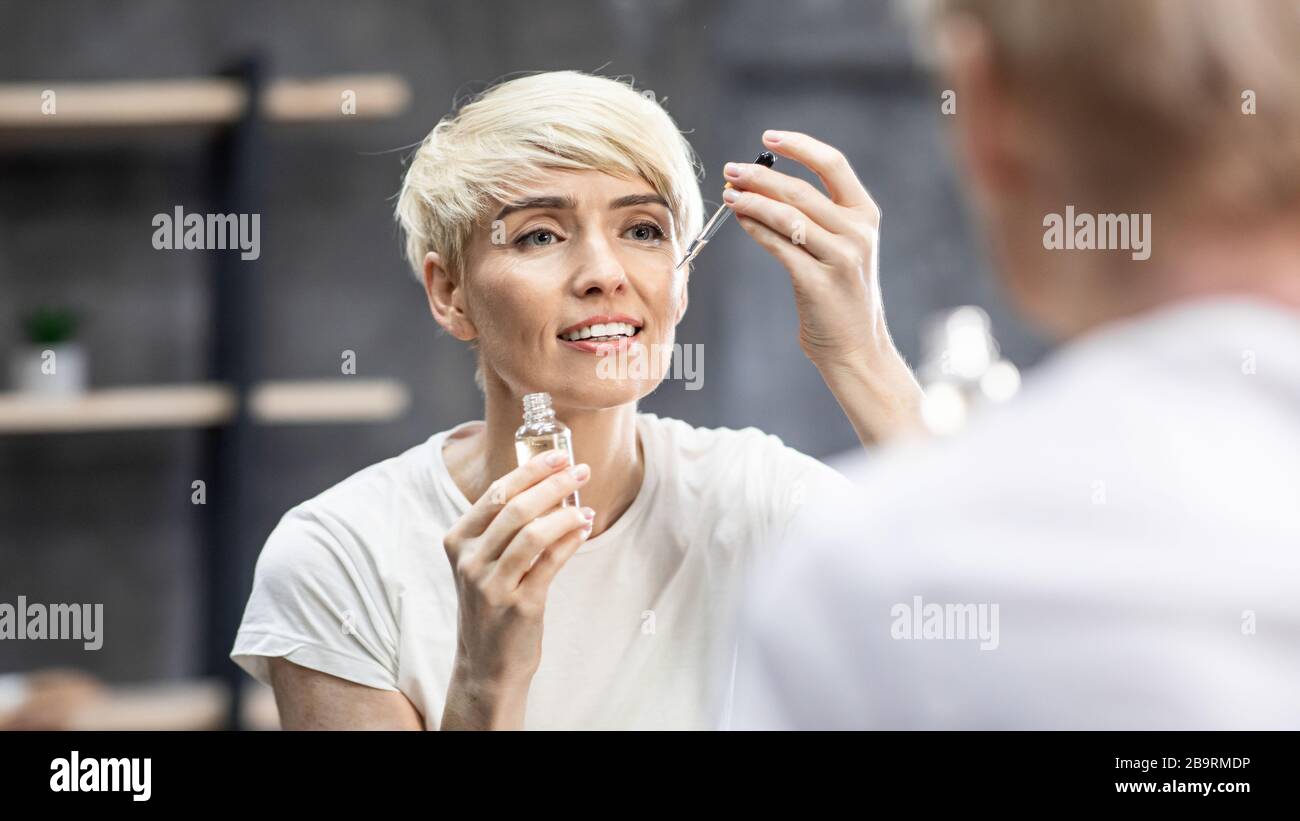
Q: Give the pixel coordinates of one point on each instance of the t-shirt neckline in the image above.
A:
(612, 534)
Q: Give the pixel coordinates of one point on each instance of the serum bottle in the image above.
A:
(542, 432)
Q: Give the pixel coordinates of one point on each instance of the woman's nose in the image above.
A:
(600, 271)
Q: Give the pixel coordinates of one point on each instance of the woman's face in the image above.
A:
(579, 251)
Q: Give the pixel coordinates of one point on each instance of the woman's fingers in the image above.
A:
(827, 162)
(786, 252)
(793, 225)
(535, 537)
(483, 511)
(527, 505)
(793, 191)
(537, 581)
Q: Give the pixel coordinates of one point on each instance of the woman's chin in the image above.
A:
(597, 392)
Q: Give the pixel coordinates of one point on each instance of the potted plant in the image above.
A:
(50, 362)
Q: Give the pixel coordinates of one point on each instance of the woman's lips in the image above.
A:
(620, 343)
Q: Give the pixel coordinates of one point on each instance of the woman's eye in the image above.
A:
(541, 236)
(645, 232)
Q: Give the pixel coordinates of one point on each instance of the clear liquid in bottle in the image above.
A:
(541, 432)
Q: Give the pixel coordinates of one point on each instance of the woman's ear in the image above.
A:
(446, 299)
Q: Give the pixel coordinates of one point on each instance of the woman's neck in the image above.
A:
(606, 440)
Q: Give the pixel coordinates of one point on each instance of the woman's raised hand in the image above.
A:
(828, 242)
(505, 551)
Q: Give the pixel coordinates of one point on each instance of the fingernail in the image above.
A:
(730, 195)
(556, 458)
(588, 513)
(580, 472)
(773, 136)
(731, 170)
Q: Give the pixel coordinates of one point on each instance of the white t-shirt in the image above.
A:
(639, 624)
(1134, 515)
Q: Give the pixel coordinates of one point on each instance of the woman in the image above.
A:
(546, 220)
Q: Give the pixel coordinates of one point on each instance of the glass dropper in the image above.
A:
(768, 159)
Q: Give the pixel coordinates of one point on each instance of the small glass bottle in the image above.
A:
(542, 432)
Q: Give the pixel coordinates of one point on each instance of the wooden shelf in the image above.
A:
(194, 102)
(161, 406)
(329, 401)
(204, 405)
(182, 705)
(185, 704)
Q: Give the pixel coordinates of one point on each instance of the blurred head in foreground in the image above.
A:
(1125, 154)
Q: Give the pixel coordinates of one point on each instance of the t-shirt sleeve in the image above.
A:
(317, 600)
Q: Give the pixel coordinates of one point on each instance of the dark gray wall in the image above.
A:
(106, 517)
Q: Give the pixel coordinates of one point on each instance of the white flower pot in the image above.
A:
(49, 370)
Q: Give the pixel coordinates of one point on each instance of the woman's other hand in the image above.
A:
(505, 551)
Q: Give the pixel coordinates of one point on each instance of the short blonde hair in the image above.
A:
(498, 143)
(1146, 98)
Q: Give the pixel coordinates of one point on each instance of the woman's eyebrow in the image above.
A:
(538, 202)
(569, 203)
(637, 199)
